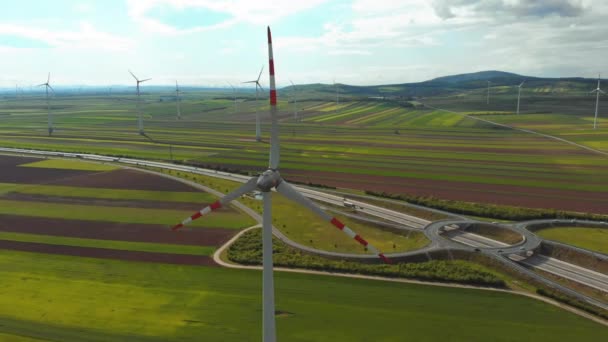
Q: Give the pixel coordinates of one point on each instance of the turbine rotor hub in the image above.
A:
(268, 180)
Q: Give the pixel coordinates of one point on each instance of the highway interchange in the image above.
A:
(444, 235)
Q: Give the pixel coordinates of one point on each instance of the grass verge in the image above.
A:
(593, 239)
(248, 250)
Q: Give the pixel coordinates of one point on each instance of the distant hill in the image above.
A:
(500, 81)
(478, 76)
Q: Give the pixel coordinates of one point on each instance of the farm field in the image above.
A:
(594, 239)
(86, 209)
(365, 145)
(136, 301)
(568, 117)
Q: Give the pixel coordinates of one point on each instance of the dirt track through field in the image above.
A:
(105, 253)
(114, 231)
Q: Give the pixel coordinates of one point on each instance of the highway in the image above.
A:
(572, 272)
(554, 266)
(475, 240)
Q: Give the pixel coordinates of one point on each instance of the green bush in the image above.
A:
(573, 302)
(247, 250)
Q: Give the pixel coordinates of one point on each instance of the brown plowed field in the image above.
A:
(114, 231)
(125, 179)
(10, 172)
(34, 175)
(105, 253)
(583, 201)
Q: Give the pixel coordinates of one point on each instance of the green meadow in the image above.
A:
(594, 239)
(100, 300)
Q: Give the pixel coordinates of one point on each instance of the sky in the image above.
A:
(359, 42)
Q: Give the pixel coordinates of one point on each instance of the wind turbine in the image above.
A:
(519, 94)
(140, 122)
(265, 182)
(488, 99)
(179, 112)
(295, 101)
(233, 95)
(337, 95)
(258, 131)
(47, 86)
(597, 99)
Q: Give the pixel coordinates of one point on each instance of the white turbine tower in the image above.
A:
(519, 94)
(265, 182)
(140, 122)
(597, 100)
(177, 100)
(47, 86)
(258, 130)
(295, 101)
(488, 98)
(234, 96)
(337, 95)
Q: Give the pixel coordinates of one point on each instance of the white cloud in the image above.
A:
(87, 37)
(259, 12)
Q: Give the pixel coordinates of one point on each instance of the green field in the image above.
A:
(368, 145)
(123, 215)
(98, 300)
(594, 239)
(107, 193)
(70, 165)
(110, 244)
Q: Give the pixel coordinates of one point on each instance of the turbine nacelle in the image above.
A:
(268, 179)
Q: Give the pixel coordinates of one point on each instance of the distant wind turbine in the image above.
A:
(519, 94)
(234, 96)
(597, 100)
(258, 130)
(179, 112)
(337, 95)
(295, 101)
(488, 99)
(140, 122)
(47, 86)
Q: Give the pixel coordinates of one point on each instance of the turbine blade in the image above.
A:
(135, 77)
(48, 79)
(48, 85)
(245, 188)
(288, 191)
(601, 91)
(250, 82)
(41, 84)
(260, 75)
(259, 85)
(273, 163)
(147, 79)
(522, 83)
